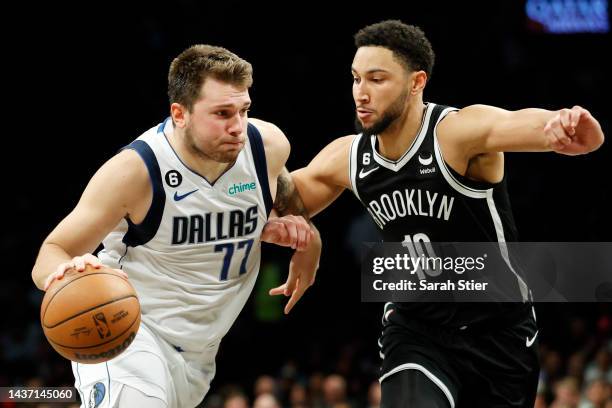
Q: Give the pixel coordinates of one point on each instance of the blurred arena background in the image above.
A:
(84, 81)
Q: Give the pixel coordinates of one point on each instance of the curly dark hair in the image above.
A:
(190, 69)
(408, 43)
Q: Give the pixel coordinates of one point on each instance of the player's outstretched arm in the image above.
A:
(481, 129)
(120, 188)
(325, 177)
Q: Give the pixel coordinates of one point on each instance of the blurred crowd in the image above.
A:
(582, 379)
(575, 354)
(316, 391)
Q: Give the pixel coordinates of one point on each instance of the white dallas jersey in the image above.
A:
(194, 259)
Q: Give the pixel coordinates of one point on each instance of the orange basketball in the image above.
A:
(91, 316)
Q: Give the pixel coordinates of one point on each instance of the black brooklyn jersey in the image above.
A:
(420, 198)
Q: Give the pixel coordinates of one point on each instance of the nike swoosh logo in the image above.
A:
(179, 197)
(363, 174)
(427, 161)
(529, 342)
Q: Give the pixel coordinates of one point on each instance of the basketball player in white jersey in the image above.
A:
(436, 172)
(182, 211)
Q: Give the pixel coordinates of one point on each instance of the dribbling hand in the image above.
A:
(79, 263)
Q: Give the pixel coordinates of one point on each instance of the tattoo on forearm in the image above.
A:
(288, 200)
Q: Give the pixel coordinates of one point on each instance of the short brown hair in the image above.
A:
(190, 69)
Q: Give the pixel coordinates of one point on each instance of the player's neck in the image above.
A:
(397, 138)
(206, 167)
(209, 169)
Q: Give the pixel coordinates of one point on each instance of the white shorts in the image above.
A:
(150, 365)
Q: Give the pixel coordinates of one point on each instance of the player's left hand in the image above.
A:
(290, 231)
(574, 131)
(302, 272)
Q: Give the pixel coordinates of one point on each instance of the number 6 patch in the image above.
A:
(173, 178)
(365, 159)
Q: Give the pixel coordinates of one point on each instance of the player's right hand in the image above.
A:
(79, 263)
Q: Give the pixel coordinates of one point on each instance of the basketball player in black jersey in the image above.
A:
(430, 172)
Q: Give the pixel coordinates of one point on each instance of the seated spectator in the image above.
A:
(298, 398)
(266, 401)
(600, 368)
(567, 393)
(236, 400)
(264, 385)
(374, 394)
(597, 393)
(334, 390)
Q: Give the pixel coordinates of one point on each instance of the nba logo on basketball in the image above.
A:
(101, 325)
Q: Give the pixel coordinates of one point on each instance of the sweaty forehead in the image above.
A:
(371, 58)
(218, 93)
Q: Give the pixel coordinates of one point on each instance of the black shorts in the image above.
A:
(472, 367)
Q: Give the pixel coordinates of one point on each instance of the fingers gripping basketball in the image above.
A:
(90, 316)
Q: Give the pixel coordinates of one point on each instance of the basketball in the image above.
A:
(91, 316)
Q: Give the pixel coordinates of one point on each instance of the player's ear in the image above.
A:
(178, 113)
(418, 79)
